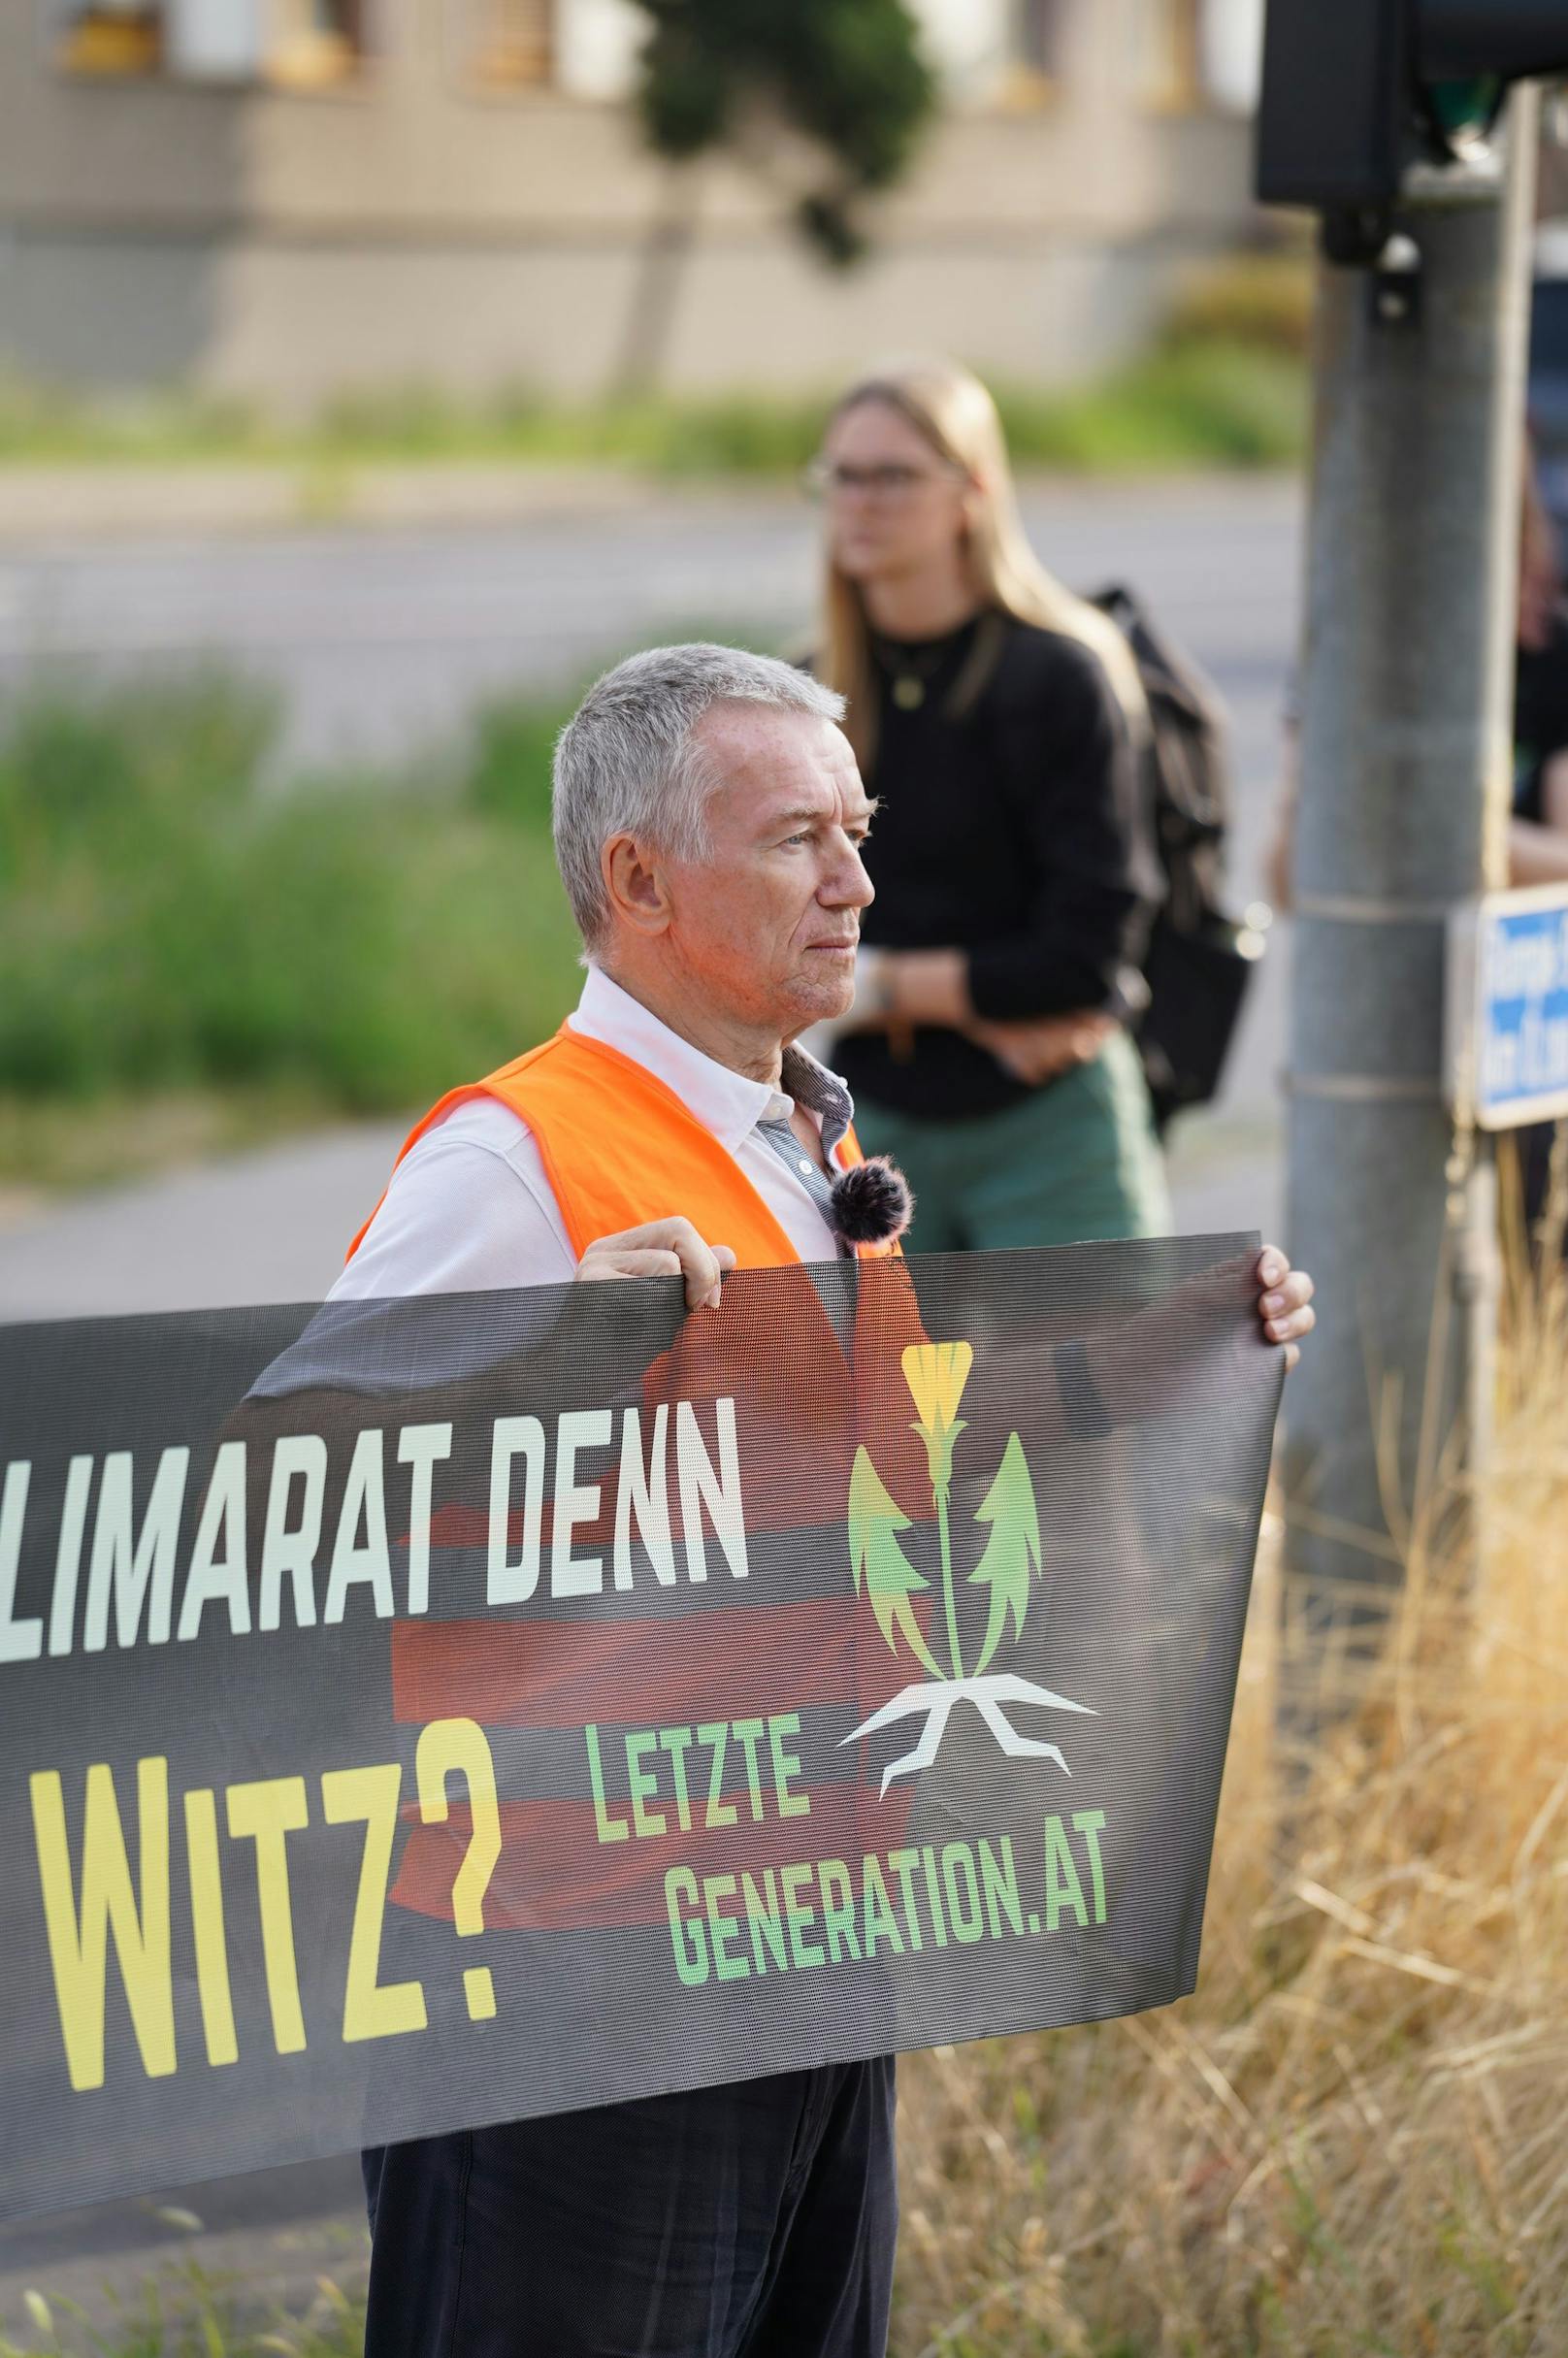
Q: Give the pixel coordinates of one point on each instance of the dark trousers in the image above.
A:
(753, 2221)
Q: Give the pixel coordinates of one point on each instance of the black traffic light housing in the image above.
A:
(1513, 39)
(1354, 91)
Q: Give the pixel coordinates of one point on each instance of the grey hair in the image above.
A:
(626, 762)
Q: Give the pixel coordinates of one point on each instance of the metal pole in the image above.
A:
(1405, 770)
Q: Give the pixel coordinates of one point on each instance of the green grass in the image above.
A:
(186, 2312)
(179, 923)
(1188, 405)
(1228, 398)
(1261, 299)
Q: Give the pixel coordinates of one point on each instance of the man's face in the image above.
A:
(766, 925)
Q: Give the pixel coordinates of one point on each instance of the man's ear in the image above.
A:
(636, 886)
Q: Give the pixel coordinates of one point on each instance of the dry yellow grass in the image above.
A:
(1353, 2138)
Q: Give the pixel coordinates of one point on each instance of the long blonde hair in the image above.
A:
(951, 409)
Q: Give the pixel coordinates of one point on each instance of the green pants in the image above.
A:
(1077, 1161)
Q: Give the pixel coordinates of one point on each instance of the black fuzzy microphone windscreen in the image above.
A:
(871, 1202)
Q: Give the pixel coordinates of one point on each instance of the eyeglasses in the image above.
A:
(826, 480)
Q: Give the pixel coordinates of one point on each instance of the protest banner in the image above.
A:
(422, 1713)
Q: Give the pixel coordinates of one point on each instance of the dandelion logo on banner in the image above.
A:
(1009, 1565)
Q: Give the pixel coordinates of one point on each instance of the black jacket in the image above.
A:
(1013, 825)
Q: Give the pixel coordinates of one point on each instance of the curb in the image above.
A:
(40, 505)
(47, 503)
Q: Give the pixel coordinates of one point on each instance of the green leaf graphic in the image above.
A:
(890, 1579)
(1013, 1549)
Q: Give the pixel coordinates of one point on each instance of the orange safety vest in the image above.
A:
(619, 1149)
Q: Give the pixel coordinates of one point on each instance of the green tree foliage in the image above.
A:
(847, 74)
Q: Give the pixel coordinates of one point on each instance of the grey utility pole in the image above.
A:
(1405, 771)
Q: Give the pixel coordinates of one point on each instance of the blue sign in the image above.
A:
(1508, 1007)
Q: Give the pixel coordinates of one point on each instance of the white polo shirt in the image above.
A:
(469, 1208)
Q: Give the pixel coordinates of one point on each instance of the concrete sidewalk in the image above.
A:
(270, 1227)
(109, 501)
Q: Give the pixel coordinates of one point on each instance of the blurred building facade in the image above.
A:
(285, 199)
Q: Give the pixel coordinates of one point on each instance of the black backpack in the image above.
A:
(1199, 961)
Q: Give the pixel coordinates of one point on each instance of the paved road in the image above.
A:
(381, 640)
(379, 643)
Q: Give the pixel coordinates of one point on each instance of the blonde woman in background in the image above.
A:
(998, 719)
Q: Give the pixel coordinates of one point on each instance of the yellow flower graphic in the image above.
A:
(936, 1374)
(1010, 1564)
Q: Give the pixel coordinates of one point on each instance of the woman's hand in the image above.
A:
(1045, 1046)
(895, 990)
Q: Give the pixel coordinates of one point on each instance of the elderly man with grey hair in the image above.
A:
(710, 825)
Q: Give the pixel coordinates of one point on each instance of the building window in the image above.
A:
(507, 44)
(1031, 66)
(110, 38)
(298, 45)
(313, 43)
(1167, 51)
(1232, 53)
